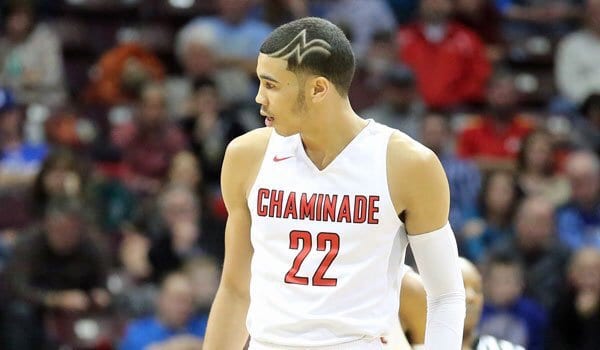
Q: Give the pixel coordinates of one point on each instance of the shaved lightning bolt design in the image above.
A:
(299, 47)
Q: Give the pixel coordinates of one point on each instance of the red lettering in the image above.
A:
(307, 208)
(275, 202)
(261, 209)
(373, 209)
(344, 212)
(329, 205)
(290, 207)
(360, 209)
(319, 206)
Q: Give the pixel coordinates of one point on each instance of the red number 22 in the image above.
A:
(318, 278)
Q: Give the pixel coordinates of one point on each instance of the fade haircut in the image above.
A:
(316, 46)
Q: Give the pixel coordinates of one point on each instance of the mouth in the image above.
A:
(268, 118)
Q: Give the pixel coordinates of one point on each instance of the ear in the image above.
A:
(320, 87)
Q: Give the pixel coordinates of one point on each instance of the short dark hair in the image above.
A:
(331, 55)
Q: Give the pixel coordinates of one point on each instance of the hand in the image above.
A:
(586, 302)
(100, 297)
(473, 228)
(70, 300)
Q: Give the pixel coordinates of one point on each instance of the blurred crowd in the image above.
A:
(115, 115)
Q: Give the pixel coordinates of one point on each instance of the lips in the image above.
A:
(268, 118)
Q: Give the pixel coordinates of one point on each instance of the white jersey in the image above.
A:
(328, 244)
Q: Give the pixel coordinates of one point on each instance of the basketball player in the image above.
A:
(474, 295)
(321, 208)
(408, 332)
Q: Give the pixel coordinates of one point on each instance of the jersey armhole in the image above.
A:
(252, 188)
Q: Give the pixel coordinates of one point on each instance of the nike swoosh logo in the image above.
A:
(277, 159)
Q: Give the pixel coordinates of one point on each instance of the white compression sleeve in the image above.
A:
(436, 255)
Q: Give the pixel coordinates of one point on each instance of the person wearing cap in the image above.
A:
(400, 106)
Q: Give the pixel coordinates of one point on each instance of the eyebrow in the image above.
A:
(268, 77)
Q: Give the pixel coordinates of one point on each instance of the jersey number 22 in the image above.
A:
(318, 278)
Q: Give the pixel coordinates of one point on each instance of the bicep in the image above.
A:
(238, 248)
(428, 201)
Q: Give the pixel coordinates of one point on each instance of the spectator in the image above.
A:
(577, 72)
(19, 159)
(536, 245)
(576, 319)
(185, 171)
(483, 18)
(579, 220)
(59, 267)
(369, 78)
(494, 139)
(361, 20)
(463, 176)
(536, 169)
(31, 58)
(204, 273)
(507, 314)
(278, 12)
(121, 73)
(149, 142)
(63, 175)
(179, 234)
(197, 49)
(243, 37)
(448, 59)
(174, 326)
(19, 163)
(492, 222)
(474, 293)
(523, 18)
(210, 128)
(400, 106)
(587, 129)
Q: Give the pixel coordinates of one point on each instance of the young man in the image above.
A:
(474, 296)
(321, 209)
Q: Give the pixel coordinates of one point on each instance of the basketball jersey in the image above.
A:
(328, 244)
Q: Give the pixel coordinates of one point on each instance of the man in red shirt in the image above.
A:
(448, 59)
(493, 140)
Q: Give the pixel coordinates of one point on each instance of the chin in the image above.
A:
(284, 131)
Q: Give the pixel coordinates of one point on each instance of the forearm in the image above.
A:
(227, 321)
(437, 259)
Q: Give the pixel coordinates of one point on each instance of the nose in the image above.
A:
(260, 98)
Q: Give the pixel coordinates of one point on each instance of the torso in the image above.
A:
(317, 279)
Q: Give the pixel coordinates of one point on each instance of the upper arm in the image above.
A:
(419, 186)
(242, 153)
(413, 307)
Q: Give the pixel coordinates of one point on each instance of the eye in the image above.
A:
(269, 85)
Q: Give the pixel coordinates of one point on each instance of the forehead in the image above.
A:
(270, 68)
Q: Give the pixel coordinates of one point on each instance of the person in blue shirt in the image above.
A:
(578, 222)
(174, 325)
(507, 314)
(19, 160)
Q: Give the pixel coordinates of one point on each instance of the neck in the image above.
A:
(330, 131)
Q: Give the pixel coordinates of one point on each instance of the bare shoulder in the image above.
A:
(251, 144)
(406, 155)
(245, 152)
(409, 165)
